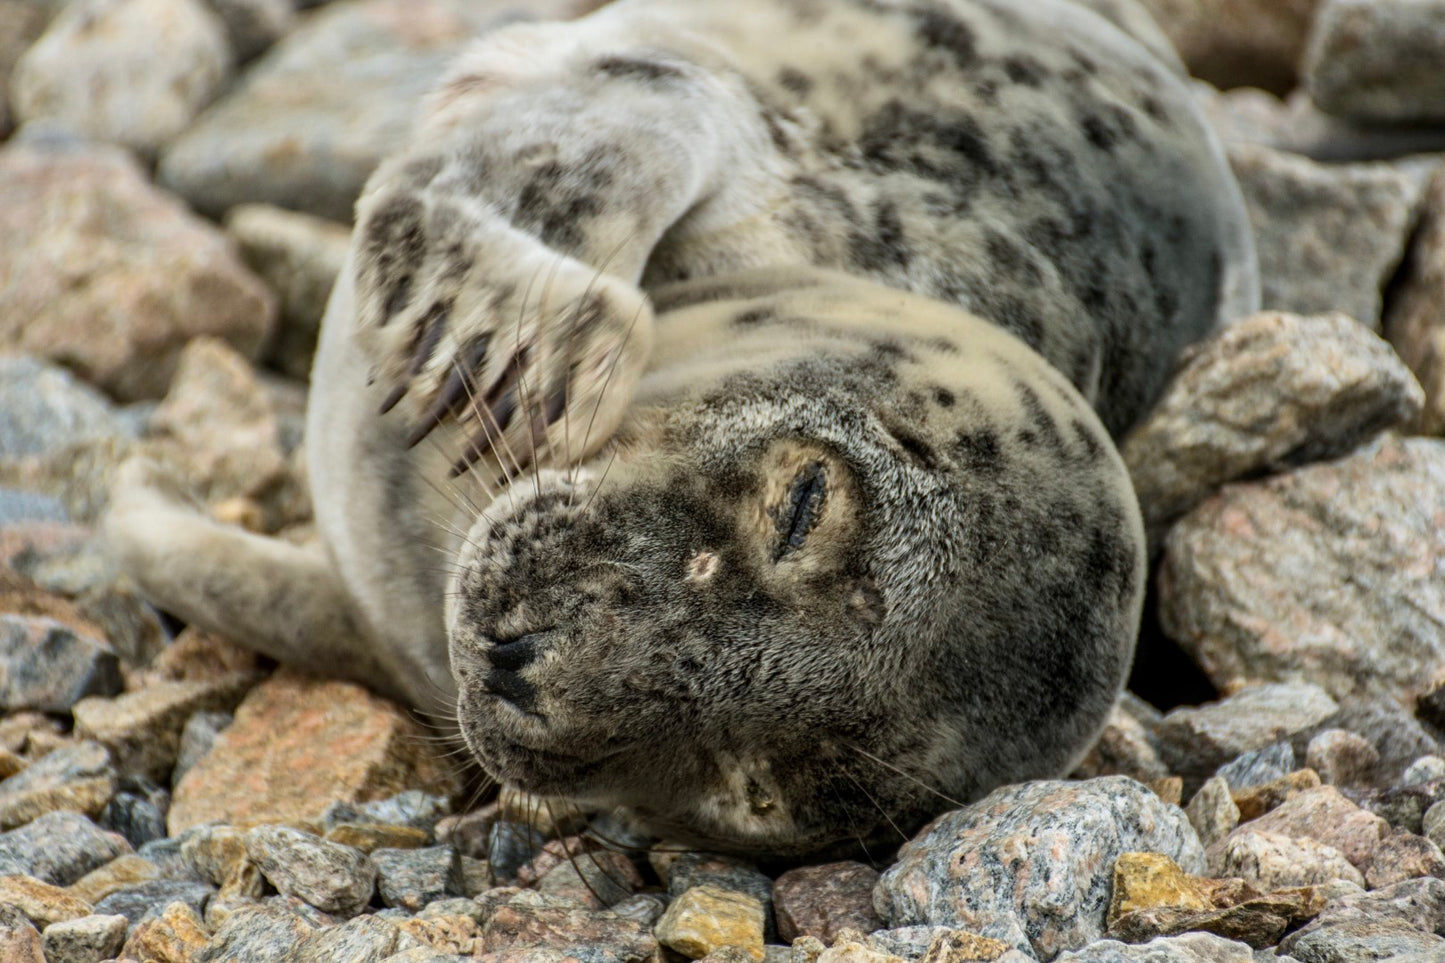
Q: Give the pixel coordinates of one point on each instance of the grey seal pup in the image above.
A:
(715, 417)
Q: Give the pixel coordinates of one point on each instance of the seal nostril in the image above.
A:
(511, 687)
(514, 655)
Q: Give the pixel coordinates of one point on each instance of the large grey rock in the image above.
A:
(1402, 919)
(327, 875)
(130, 72)
(1414, 319)
(1379, 61)
(258, 934)
(109, 276)
(150, 899)
(315, 114)
(1328, 237)
(1270, 392)
(1189, 948)
(1197, 740)
(43, 407)
(1294, 124)
(1032, 864)
(1333, 574)
(58, 848)
(49, 666)
(88, 939)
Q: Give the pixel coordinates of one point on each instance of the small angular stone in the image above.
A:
(1342, 758)
(329, 876)
(706, 918)
(822, 900)
(94, 71)
(1125, 748)
(1433, 823)
(198, 736)
(523, 924)
(412, 878)
(123, 872)
(1198, 740)
(88, 939)
(218, 855)
(447, 934)
(258, 933)
(1258, 800)
(1274, 580)
(1328, 236)
(597, 878)
(19, 940)
(149, 900)
(110, 275)
(1189, 948)
(1425, 770)
(296, 745)
(1259, 767)
(41, 902)
(75, 778)
(1273, 861)
(137, 810)
(176, 935)
(48, 666)
(1403, 856)
(1324, 815)
(1265, 393)
(1212, 812)
(142, 729)
(363, 939)
(44, 407)
(368, 837)
(58, 848)
(1378, 61)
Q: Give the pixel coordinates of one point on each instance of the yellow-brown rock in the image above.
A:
(41, 902)
(120, 873)
(371, 836)
(445, 934)
(175, 936)
(297, 745)
(708, 918)
(1148, 880)
(1258, 800)
(960, 946)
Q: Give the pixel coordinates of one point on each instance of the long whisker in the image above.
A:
(881, 811)
(906, 775)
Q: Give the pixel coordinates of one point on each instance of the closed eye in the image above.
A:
(802, 508)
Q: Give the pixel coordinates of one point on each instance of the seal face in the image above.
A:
(762, 361)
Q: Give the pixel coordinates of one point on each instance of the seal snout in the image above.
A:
(508, 657)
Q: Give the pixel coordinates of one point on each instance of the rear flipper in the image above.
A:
(282, 600)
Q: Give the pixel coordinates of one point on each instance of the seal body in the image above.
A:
(753, 367)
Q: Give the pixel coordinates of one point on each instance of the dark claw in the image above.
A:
(556, 404)
(392, 399)
(500, 407)
(428, 335)
(453, 394)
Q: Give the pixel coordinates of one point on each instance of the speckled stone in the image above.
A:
(1413, 322)
(1189, 948)
(123, 872)
(1259, 767)
(1197, 740)
(1125, 747)
(365, 939)
(1030, 864)
(822, 900)
(593, 876)
(1267, 392)
(1255, 801)
(49, 666)
(1273, 861)
(177, 935)
(329, 876)
(112, 276)
(75, 778)
(218, 855)
(1328, 236)
(526, 923)
(95, 71)
(706, 918)
(254, 25)
(88, 939)
(198, 737)
(137, 810)
(1326, 816)
(258, 934)
(44, 407)
(412, 878)
(41, 902)
(296, 745)
(1426, 769)
(372, 836)
(1403, 856)
(58, 848)
(1379, 62)
(1272, 579)
(1342, 757)
(1212, 812)
(149, 900)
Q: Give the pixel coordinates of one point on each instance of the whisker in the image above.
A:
(881, 811)
(906, 775)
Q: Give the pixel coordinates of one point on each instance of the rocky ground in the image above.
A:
(169, 228)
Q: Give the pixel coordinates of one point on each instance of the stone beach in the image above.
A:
(169, 229)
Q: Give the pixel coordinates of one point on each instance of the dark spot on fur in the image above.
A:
(979, 450)
(937, 29)
(885, 246)
(1099, 134)
(795, 81)
(944, 397)
(1025, 70)
(1011, 259)
(755, 316)
(1093, 451)
(637, 68)
(1043, 426)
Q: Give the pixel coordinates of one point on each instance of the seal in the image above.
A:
(715, 415)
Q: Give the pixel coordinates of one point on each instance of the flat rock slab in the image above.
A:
(58, 848)
(1379, 61)
(1328, 237)
(1031, 864)
(111, 277)
(1196, 740)
(1332, 574)
(316, 113)
(297, 745)
(1270, 392)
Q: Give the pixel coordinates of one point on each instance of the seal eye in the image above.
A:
(802, 508)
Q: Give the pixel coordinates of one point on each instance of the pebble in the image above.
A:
(1268, 392)
(142, 729)
(153, 898)
(58, 848)
(1276, 580)
(48, 666)
(1198, 740)
(822, 900)
(1125, 747)
(219, 855)
(1403, 856)
(137, 810)
(1238, 43)
(296, 745)
(1273, 861)
(258, 934)
(510, 846)
(44, 407)
(1189, 948)
(1029, 864)
(369, 837)
(1379, 61)
(1328, 236)
(1342, 757)
(331, 877)
(1426, 769)
(528, 924)
(18, 939)
(1433, 823)
(176, 935)
(198, 737)
(73, 778)
(41, 902)
(1255, 801)
(411, 808)
(123, 872)
(306, 124)
(1259, 767)
(365, 938)
(1395, 733)
(595, 877)
(1212, 811)
(88, 939)
(299, 256)
(707, 918)
(1326, 816)
(95, 72)
(1413, 321)
(111, 275)
(412, 878)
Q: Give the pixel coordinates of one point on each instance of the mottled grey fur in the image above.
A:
(783, 557)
